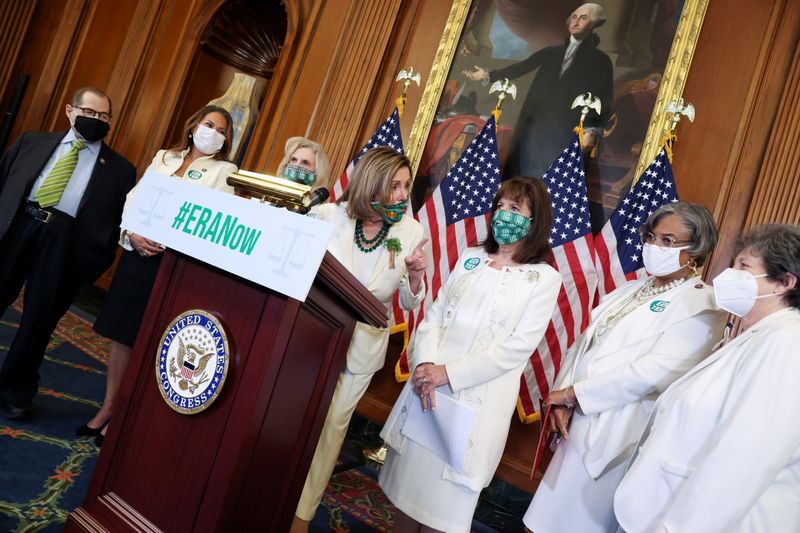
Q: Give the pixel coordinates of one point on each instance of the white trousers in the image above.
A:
(349, 390)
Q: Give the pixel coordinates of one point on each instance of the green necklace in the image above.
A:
(370, 245)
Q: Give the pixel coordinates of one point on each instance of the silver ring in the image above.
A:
(424, 381)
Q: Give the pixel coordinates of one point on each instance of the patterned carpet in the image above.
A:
(45, 470)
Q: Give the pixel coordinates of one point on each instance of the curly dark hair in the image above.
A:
(778, 246)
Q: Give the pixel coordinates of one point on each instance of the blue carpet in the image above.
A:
(44, 469)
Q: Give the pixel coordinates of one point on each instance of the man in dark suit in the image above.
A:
(575, 67)
(61, 199)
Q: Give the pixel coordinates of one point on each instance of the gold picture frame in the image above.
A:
(673, 82)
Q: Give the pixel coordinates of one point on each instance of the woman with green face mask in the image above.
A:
(305, 162)
(471, 348)
(381, 245)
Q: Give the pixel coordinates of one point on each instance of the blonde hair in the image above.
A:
(371, 179)
(321, 158)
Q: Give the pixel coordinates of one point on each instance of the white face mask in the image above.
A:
(736, 291)
(662, 261)
(208, 140)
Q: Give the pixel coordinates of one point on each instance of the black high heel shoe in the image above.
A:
(86, 431)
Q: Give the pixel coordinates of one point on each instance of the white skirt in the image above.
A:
(413, 482)
(568, 499)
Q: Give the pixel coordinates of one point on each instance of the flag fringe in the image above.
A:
(669, 139)
(524, 417)
(401, 103)
(399, 375)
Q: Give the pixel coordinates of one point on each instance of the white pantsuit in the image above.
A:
(721, 450)
(616, 378)
(483, 327)
(367, 351)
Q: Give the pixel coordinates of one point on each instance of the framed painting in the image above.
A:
(633, 54)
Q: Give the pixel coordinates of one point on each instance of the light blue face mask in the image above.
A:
(299, 174)
(509, 227)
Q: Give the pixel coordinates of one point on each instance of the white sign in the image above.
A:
(267, 245)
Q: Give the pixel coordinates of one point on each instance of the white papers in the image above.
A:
(445, 431)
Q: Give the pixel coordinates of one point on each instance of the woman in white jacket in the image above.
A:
(472, 345)
(368, 218)
(201, 158)
(641, 338)
(721, 451)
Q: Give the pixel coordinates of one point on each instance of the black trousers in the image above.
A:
(42, 257)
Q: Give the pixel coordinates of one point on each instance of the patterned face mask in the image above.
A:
(509, 227)
(299, 174)
(391, 213)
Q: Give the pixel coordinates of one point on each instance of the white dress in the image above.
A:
(483, 327)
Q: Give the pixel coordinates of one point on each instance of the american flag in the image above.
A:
(572, 244)
(456, 216)
(388, 134)
(618, 248)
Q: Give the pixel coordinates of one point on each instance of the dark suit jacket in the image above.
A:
(546, 121)
(96, 229)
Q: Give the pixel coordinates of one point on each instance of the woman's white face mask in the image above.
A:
(662, 261)
(208, 140)
(736, 291)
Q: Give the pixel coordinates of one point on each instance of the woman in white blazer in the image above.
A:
(641, 337)
(369, 220)
(201, 158)
(721, 451)
(472, 346)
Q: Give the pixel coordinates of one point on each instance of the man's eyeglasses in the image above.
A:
(91, 113)
(664, 241)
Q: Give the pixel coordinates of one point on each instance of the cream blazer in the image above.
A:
(205, 171)
(721, 451)
(635, 361)
(367, 352)
(484, 373)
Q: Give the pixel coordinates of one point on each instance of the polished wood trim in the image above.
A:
(332, 274)
(15, 18)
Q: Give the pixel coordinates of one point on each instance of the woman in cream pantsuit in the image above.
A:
(721, 451)
(369, 214)
(473, 345)
(641, 337)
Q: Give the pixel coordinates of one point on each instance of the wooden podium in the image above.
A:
(239, 465)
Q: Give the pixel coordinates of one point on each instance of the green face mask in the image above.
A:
(391, 213)
(299, 175)
(509, 227)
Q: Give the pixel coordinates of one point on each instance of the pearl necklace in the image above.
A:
(644, 294)
(369, 245)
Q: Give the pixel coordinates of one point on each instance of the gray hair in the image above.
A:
(597, 14)
(295, 143)
(698, 222)
(778, 246)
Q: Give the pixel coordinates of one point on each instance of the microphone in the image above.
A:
(318, 196)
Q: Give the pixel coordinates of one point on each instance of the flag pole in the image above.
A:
(407, 75)
(677, 109)
(503, 87)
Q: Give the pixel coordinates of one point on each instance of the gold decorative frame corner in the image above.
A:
(435, 84)
(674, 80)
(672, 83)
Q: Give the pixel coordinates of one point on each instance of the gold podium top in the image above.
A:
(276, 191)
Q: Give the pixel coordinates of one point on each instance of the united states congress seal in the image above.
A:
(192, 361)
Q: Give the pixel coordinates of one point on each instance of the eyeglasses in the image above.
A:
(91, 113)
(664, 241)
